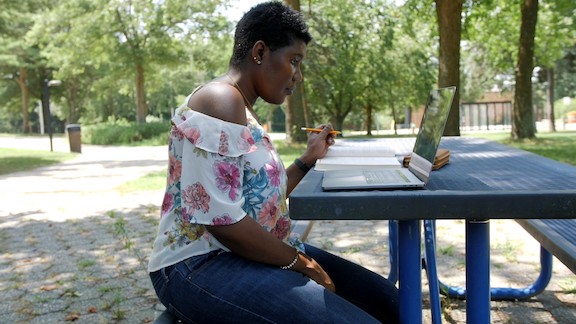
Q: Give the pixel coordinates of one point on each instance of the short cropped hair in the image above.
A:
(274, 23)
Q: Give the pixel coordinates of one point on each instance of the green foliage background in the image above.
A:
(123, 132)
(367, 57)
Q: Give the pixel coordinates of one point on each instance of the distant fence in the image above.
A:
(486, 116)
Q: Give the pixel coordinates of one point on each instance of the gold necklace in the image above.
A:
(242, 93)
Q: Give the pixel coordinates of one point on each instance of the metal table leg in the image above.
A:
(430, 266)
(410, 271)
(477, 271)
(496, 293)
(393, 250)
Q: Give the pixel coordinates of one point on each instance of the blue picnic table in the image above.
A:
(484, 180)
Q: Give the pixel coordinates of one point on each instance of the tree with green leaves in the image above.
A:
(332, 58)
(449, 13)
(554, 31)
(365, 58)
(566, 74)
(507, 34)
(120, 38)
(295, 105)
(19, 62)
(445, 18)
(414, 66)
(523, 125)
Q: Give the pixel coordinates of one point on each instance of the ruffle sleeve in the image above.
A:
(212, 134)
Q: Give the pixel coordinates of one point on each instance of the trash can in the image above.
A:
(74, 136)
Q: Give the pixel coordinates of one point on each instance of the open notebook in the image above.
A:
(365, 154)
(421, 161)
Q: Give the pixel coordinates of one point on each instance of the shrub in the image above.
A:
(122, 132)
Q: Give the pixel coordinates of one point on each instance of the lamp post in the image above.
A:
(47, 85)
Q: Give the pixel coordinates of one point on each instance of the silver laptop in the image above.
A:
(421, 161)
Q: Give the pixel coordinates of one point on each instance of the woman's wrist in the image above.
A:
(304, 163)
(291, 264)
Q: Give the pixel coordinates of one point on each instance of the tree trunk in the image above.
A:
(368, 112)
(550, 99)
(141, 105)
(523, 125)
(394, 120)
(72, 98)
(338, 122)
(449, 14)
(295, 112)
(295, 117)
(25, 94)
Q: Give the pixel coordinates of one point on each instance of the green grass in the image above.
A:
(85, 263)
(508, 249)
(557, 146)
(151, 181)
(447, 250)
(568, 285)
(16, 160)
(289, 152)
(157, 180)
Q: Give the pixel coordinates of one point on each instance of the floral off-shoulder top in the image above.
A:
(219, 172)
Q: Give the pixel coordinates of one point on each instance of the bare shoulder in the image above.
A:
(219, 100)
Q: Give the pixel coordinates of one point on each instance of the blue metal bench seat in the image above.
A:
(558, 236)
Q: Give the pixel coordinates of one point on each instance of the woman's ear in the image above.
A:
(258, 51)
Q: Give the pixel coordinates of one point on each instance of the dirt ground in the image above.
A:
(514, 263)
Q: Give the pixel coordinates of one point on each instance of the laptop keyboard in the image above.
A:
(384, 176)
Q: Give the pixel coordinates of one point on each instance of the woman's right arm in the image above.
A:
(249, 240)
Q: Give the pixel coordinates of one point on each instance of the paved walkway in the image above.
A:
(74, 248)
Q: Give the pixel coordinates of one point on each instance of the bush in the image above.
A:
(123, 132)
(562, 107)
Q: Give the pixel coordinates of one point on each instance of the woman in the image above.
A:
(223, 251)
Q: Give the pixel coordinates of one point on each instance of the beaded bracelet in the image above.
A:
(286, 267)
(302, 165)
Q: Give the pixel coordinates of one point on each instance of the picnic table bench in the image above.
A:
(557, 236)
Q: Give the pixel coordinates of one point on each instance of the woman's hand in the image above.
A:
(248, 239)
(318, 144)
(310, 268)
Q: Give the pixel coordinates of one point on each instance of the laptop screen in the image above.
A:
(431, 130)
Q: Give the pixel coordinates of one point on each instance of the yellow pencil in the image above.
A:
(318, 130)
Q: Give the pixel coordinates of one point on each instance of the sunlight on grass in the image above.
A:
(151, 181)
(157, 180)
(16, 160)
(558, 146)
(568, 286)
(289, 153)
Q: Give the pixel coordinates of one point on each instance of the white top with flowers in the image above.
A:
(219, 172)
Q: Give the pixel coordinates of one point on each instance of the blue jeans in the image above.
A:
(221, 287)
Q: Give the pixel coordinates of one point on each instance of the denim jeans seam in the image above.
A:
(159, 282)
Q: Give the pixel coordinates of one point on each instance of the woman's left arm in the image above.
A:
(318, 144)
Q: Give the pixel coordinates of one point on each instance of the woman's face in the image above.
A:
(281, 72)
